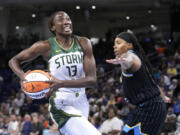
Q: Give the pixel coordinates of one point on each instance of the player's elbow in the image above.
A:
(10, 62)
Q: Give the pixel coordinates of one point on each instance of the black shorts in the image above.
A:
(146, 118)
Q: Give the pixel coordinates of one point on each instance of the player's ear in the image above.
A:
(53, 28)
(130, 46)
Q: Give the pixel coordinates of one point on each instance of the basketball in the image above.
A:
(35, 87)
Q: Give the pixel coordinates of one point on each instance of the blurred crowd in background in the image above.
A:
(19, 115)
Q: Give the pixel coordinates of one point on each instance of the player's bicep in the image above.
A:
(130, 62)
(89, 65)
(89, 61)
(26, 55)
(31, 53)
(137, 62)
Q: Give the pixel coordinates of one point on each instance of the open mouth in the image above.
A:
(115, 51)
(67, 28)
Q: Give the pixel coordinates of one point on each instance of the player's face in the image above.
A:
(121, 46)
(62, 24)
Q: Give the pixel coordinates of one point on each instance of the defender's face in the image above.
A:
(62, 24)
(121, 46)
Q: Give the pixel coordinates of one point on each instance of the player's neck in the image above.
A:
(65, 41)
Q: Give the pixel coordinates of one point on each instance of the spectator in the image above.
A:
(173, 85)
(177, 90)
(26, 128)
(171, 70)
(112, 100)
(37, 127)
(176, 108)
(14, 109)
(4, 108)
(1, 120)
(177, 132)
(34, 114)
(52, 131)
(13, 126)
(177, 54)
(97, 122)
(20, 124)
(43, 120)
(164, 81)
(113, 125)
(123, 112)
(163, 64)
(19, 100)
(170, 125)
(5, 125)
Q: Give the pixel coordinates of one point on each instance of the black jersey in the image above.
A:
(139, 86)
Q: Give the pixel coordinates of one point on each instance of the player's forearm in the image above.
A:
(14, 64)
(161, 92)
(83, 82)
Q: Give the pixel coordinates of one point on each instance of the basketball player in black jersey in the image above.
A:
(139, 87)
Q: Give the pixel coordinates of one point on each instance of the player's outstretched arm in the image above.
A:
(128, 61)
(38, 48)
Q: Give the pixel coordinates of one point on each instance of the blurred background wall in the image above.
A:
(91, 17)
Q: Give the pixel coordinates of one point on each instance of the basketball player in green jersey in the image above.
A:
(72, 66)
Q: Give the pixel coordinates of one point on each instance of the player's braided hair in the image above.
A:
(131, 38)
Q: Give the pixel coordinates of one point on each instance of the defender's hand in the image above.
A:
(116, 61)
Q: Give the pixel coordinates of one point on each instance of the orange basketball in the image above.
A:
(36, 86)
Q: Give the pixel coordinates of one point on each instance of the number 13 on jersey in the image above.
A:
(72, 70)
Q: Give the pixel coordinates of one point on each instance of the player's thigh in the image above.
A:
(82, 104)
(79, 126)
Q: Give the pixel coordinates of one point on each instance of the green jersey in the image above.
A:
(66, 64)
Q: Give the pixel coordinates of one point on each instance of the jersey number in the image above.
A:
(72, 70)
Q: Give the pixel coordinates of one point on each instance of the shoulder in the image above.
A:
(42, 46)
(136, 65)
(85, 44)
(117, 120)
(105, 122)
(44, 43)
(84, 39)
